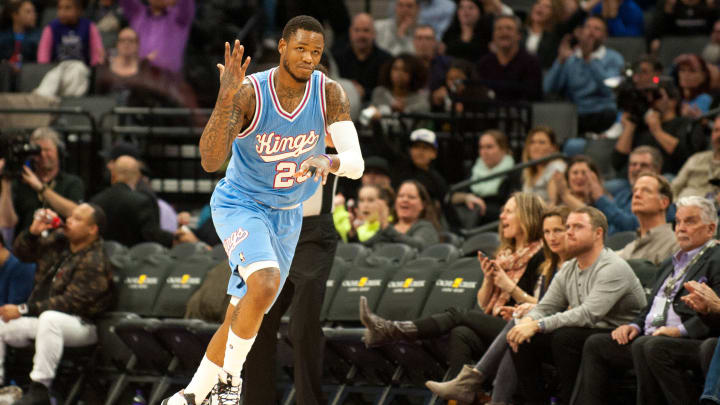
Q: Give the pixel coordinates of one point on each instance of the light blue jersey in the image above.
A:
(257, 208)
(268, 153)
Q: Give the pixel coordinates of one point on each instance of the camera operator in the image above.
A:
(660, 126)
(42, 184)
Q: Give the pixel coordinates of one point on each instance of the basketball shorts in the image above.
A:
(255, 236)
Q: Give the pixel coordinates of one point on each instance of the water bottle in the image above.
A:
(138, 399)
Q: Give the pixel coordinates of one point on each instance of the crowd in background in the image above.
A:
(431, 56)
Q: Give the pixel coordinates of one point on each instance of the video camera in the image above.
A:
(637, 101)
(16, 150)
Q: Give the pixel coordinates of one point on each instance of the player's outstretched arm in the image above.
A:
(349, 161)
(233, 110)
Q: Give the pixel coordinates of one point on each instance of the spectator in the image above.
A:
(18, 38)
(362, 59)
(16, 277)
(374, 212)
(73, 41)
(646, 72)
(618, 209)
(693, 79)
(401, 87)
(423, 151)
(414, 223)
(132, 215)
(376, 173)
(624, 18)
(546, 25)
(658, 343)
(73, 285)
(593, 292)
(711, 52)
(496, 360)
(540, 142)
(394, 34)
(674, 136)
(573, 187)
(135, 82)
(452, 93)
(71, 37)
(109, 18)
(681, 18)
(42, 184)
(426, 49)
(163, 27)
(509, 279)
(697, 175)
(580, 74)
(487, 198)
(510, 72)
(655, 242)
(467, 37)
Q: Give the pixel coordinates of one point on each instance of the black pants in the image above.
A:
(660, 364)
(563, 348)
(596, 122)
(471, 332)
(304, 291)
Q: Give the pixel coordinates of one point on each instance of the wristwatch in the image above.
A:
(541, 326)
(23, 309)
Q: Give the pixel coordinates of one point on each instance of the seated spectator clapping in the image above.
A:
(73, 284)
(573, 188)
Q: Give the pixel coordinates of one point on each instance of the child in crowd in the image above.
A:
(75, 42)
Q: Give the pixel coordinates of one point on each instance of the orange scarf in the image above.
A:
(514, 265)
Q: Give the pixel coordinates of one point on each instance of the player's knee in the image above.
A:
(263, 284)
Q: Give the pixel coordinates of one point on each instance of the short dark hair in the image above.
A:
(597, 218)
(99, 218)
(302, 22)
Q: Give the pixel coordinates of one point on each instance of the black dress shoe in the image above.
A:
(38, 394)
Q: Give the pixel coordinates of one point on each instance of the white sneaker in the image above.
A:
(227, 390)
(10, 394)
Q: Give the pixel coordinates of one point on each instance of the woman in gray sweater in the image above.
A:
(414, 221)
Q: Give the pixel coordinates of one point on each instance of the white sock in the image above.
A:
(204, 380)
(236, 352)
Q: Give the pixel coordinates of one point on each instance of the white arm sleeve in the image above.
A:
(345, 138)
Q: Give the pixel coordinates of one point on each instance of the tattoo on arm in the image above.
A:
(337, 104)
(229, 117)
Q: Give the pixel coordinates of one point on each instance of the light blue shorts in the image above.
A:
(255, 236)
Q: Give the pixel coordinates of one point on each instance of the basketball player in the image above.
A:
(275, 122)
